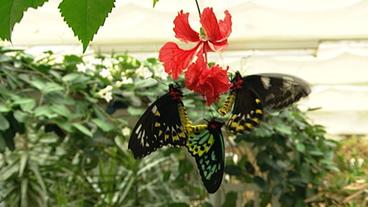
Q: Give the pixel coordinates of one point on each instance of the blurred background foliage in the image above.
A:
(65, 122)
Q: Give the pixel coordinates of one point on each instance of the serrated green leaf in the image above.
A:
(36, 3)
(11, 12)
(4, 124)
(85, 17)
(83, 129)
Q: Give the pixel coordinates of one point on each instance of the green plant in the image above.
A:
(64, 127)
(286, 158)
(83, 17)
(61, 142)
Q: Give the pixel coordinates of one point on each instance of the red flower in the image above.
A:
(215, 36)
(209, 82)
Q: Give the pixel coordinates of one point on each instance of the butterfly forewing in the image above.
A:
(208, 150)
(159, 125)
(277, 90)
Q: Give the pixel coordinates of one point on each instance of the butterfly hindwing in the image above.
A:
(277, 90)
(247, 112)
(207, 147)
(159, 125)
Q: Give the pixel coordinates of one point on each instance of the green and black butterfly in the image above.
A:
(206, 145)
(161, 124)
(250, 95)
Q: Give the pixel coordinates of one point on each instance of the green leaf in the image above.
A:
(23, 163)
(26, 104)
(61, 110)
(44, 111)
(104, 125)
(83, 129)
(36, 3)
(85, 17)
(155, 2)
(4, 108)
(4, 124)
(20, 116)
(230, 199)
(2, 144)
(300, 147)
(11, 12)
(178, 205)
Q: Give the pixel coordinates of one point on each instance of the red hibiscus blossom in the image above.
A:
(209, 82)
(214, 38)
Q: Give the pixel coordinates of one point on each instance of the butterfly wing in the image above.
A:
(208, 150)
(277, 90)
(247, 111)
(255, 92)
(159, 125)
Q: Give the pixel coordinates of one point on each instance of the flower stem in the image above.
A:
(199, 9)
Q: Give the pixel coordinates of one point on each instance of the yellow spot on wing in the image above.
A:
(256, 120)
(249, 125)
(157, 113)
(258, 101)
(157, 124)
(259, 111)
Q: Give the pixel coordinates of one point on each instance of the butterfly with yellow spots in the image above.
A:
(251, 95)
(161, 124)
(206, 145)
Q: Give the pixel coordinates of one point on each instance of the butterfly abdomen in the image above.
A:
(228, 105)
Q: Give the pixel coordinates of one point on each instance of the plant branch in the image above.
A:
(199, 9)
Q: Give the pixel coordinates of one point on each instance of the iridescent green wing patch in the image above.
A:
(208, 150)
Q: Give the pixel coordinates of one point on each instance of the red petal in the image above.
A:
(219, 82)
(225, 25)
(210, 24)
(193, 73)
(175, 60)
(182, 29)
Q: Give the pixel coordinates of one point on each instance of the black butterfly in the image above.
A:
(206, 145)
(166, 122)
(250, 95)
(161, 124)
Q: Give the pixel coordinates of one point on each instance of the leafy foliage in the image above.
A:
(85, 17)
(11, 12)
(286, 158)
(64, 131)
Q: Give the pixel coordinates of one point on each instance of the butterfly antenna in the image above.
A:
(160, 81)
(243, 62)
